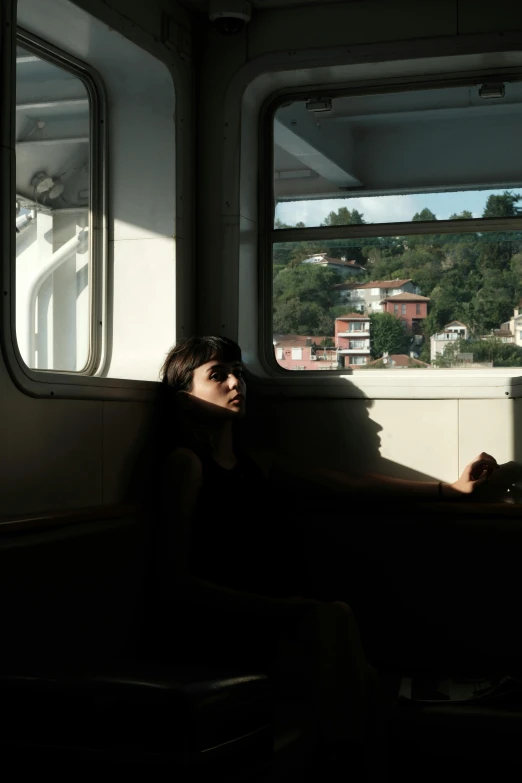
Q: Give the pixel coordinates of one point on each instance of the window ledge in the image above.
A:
(493, 383)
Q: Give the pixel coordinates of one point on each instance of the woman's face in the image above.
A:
(221, 384)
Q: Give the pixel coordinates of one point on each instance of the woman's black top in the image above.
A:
(238, 540)
(233, 534)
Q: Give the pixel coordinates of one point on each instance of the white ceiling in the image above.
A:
(412, 141)
(52, 131)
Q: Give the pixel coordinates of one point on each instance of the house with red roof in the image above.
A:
(411, 309)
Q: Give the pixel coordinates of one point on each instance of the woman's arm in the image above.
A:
(337, 485)
(180, 485)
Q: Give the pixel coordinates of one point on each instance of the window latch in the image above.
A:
(316, 105)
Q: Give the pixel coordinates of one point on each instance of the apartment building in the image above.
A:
(352, 338)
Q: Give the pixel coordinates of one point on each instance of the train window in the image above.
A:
(56, 262)
(359, 182)
(92, 295)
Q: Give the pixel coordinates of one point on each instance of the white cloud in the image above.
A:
(387, 209)
(379, 209)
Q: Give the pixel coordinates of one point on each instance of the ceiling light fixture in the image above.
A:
(42, 182)
(57, 189)
(45, 184)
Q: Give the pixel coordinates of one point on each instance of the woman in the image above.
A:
(218, 548)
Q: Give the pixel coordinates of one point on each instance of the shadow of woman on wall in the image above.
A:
(412, 572)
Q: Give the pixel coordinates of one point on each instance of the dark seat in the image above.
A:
(121, 703)
(186, 718)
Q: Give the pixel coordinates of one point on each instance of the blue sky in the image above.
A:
(388, 209)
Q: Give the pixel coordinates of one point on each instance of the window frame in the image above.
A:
(32, 21)
(50, 382)
(97, 208)
(272, 235)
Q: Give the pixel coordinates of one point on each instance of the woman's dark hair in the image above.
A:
(186, 356)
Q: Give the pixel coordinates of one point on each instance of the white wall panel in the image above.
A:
(141, 172)
(487, 425)
(421, 435)
(143, 316)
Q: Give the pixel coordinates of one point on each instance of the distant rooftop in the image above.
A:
(375, 284)
(353, 317)
(399, 360)
(322, 258)
(406, 298)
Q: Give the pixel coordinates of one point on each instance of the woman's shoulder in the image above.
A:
(266, 460)
(184, 463)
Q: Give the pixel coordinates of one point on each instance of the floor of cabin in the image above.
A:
(426, 745)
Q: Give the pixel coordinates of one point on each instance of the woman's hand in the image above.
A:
(474, 475)
(502, 484)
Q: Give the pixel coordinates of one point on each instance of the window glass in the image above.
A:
(397, 156)
(345, 166)
(468, 284)
(364, 210)
(53, 267)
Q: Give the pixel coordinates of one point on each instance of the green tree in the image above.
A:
(464, 215)
(281, 251)
(387, 334)
(303, 297)
(448, 358)
(284, 253)
(424, 214)
(502, 205)
(343, 217)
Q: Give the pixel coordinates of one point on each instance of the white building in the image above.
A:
(452, 331)
(368, 297)
(514, 326)
(345, 267)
